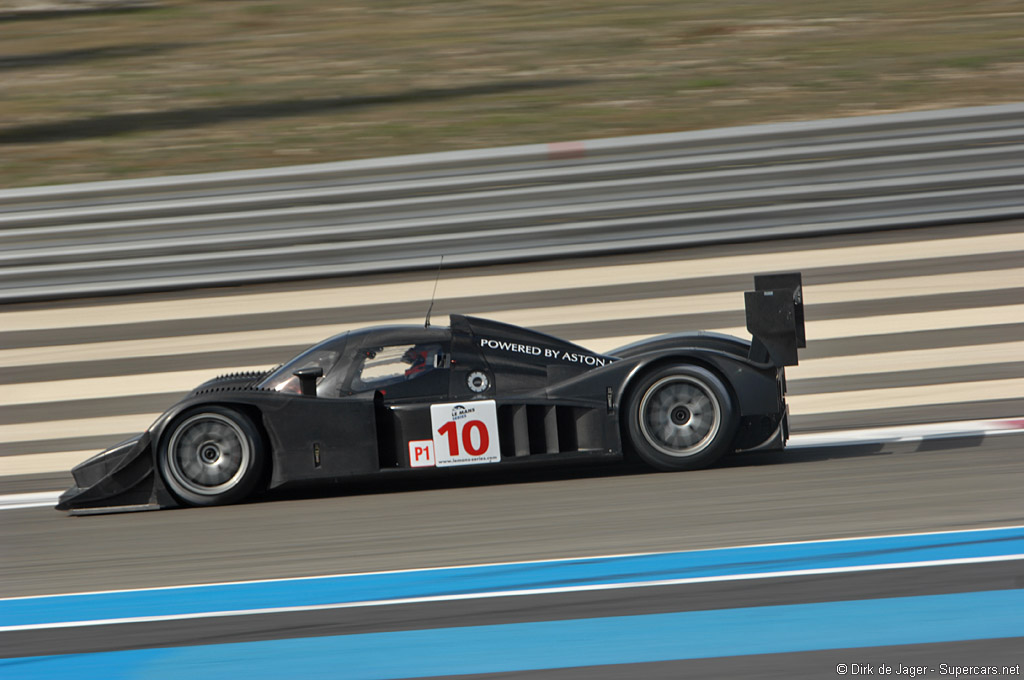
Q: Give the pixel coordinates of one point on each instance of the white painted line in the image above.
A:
(861, 326)
(908, 360)
(897, 397)
(18, 501)
(338, 295)
(79, 427)
(181, 344)
(114, 386)
(909, 433)
(891, 324)
(857, 291)
(44, 463)
(516, 593)
(887, 324)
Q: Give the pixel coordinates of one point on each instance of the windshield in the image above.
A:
(390, 364)
(282, 379)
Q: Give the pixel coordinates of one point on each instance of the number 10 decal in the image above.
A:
(465, 434)
(471, 426)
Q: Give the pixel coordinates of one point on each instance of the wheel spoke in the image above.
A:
(207, 475)
(190, 467)
(190, 439)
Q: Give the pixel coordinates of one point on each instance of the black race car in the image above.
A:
(421, 400)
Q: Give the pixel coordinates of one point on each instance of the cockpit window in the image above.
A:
(381, 366)
(282, 379)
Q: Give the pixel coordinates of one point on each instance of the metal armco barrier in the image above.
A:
(513, 203)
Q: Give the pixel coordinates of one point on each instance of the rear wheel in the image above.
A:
(680, 417)
(212, 456)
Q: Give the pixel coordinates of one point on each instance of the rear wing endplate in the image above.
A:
(775, 318)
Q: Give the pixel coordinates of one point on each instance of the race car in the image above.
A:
(423, 400)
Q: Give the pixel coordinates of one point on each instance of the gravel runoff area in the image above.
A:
(103, 89)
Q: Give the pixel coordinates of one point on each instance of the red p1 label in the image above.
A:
(465, 434)
(421, 453)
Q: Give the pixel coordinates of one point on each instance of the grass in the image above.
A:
(185, 86)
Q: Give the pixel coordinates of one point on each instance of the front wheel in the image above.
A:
(212, 456)
(680, 417)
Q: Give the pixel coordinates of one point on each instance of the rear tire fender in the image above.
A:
(678, 416)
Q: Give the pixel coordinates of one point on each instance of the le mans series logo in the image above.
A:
(460, 412)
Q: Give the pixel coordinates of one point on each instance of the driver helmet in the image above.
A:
(419, 359)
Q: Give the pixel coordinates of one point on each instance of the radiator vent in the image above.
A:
(540, 429)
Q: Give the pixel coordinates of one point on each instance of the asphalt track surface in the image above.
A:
(820, 493)
(760, 498)
(828, 492)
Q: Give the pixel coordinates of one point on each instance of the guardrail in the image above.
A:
(513, 203)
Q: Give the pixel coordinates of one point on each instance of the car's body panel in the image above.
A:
(554, 402)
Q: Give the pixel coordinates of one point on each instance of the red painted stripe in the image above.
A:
(558, 151)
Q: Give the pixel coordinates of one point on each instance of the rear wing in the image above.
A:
(775, 318)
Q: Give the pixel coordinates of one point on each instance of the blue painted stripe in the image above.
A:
(562, 644)
(864, 552)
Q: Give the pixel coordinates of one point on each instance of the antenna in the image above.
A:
(426, 324)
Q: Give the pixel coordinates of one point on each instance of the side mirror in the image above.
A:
(307, 379)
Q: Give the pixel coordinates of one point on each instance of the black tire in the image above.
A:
(212, 456)
(679, 417)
